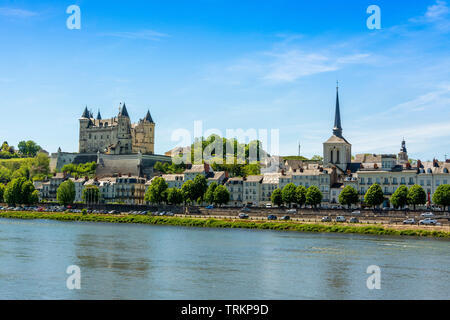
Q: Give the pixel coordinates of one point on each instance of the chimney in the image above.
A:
(282, 172)
(375, 166)
(408, 165)
(129, 174)
(207, 168)
(226, 174)
(419, 164)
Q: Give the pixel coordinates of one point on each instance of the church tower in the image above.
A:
(124, 138)
(403, 154)
(144, 135)
(337, 151)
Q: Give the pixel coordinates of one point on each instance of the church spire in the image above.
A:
(337, 130)
(99, 116)
(85, 113)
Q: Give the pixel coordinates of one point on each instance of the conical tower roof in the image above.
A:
(85, 113)
(123, 111)
(148, 117)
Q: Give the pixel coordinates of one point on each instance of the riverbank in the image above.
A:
(232, 223)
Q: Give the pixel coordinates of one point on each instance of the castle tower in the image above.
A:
(144, 135)
(124, 137)
(403, 154)
(336, 150)
(85, 122)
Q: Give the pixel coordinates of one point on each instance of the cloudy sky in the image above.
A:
(231, 64)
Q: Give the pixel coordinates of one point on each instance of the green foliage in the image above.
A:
(399, 198)
(374, 196)
(348, 196)
(80, 170)
(313, 196)
(174, 196)
(66, 192)
(300, 194)
(209, 195)
(20, 191)
(169, 168)
(416, 196)
(37, 168)
(317, 158)
(91, 194)
(5, 174)
(295, 158)
(221, 195)
(156, 192)
(28, 148)
(2, 191)
(200, 187)
(277, 197)
(84, 212)
(441, 196)
(188, 190)
(289, 194)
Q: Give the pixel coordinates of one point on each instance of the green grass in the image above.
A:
(218, 223)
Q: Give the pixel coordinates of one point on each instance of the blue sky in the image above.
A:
(231, 64)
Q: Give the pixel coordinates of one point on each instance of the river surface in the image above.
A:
(124, 261)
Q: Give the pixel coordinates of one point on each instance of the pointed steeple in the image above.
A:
(99, 116)
(337, 130)
(85, 113)
(148, 117)
(123, 111)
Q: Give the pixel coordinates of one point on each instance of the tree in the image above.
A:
(374, 196)
(348, 196)
(289, 194)
(174, 196)
(317, 158)
(209, 195)
(28, 148)
(2, 191)
(441, 196)
(200, 187)
(399, 198)
(65, 194)
(19, 191)
(416, 196)
(91, 194)
(221, 195)
(156, 192)
(313, 196)
(300, 193)
(277, 197)
(188, 191)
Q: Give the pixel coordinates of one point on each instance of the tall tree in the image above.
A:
(348, 196)
(188, 190)
(28, 148)
(374, 196)
(441, 196)
(277, 197)
(209, 195)
(19, 191)
(399, 198)
(65, 194)
(200, 187)
(156, 192)
(300, 193)
(416, 196)
(313, 196)
(289, 194)
(2, 191)
(174, 196)
(221, 195)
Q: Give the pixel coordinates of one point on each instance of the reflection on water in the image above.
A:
(162, 262)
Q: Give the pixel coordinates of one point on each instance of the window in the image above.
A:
(394, 180)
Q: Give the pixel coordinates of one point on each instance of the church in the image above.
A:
(116, 135)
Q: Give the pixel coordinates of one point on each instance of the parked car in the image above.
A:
(245, 209)
(409, 221)
(427, 215)
(354, 220)
(268, 205)
(162, 213)
(326, 219)
(356, 213)
(243, 216)
(428, 221)
(210, 207)
(340, 219)
(285, 218)
(291, 211)
(272, 217)
(169, 213)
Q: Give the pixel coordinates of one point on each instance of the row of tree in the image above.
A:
(19, 191)
(299, 195)
(26, 149)
(196, 190)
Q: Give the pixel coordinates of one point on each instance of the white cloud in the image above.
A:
(17, 13)
(437, 11)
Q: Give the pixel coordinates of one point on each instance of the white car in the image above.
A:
(291, 211)
(268, 205)
(340, 219)
(427, 215)
(428, 221)
(356, 212)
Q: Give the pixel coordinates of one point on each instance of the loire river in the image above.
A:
(164, 262)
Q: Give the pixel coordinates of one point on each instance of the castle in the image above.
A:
(116, 135)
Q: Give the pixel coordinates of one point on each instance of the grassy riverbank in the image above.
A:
(222, 223)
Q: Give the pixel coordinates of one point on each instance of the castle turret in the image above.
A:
(144, 135)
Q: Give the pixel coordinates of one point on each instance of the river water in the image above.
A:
(165, 262)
